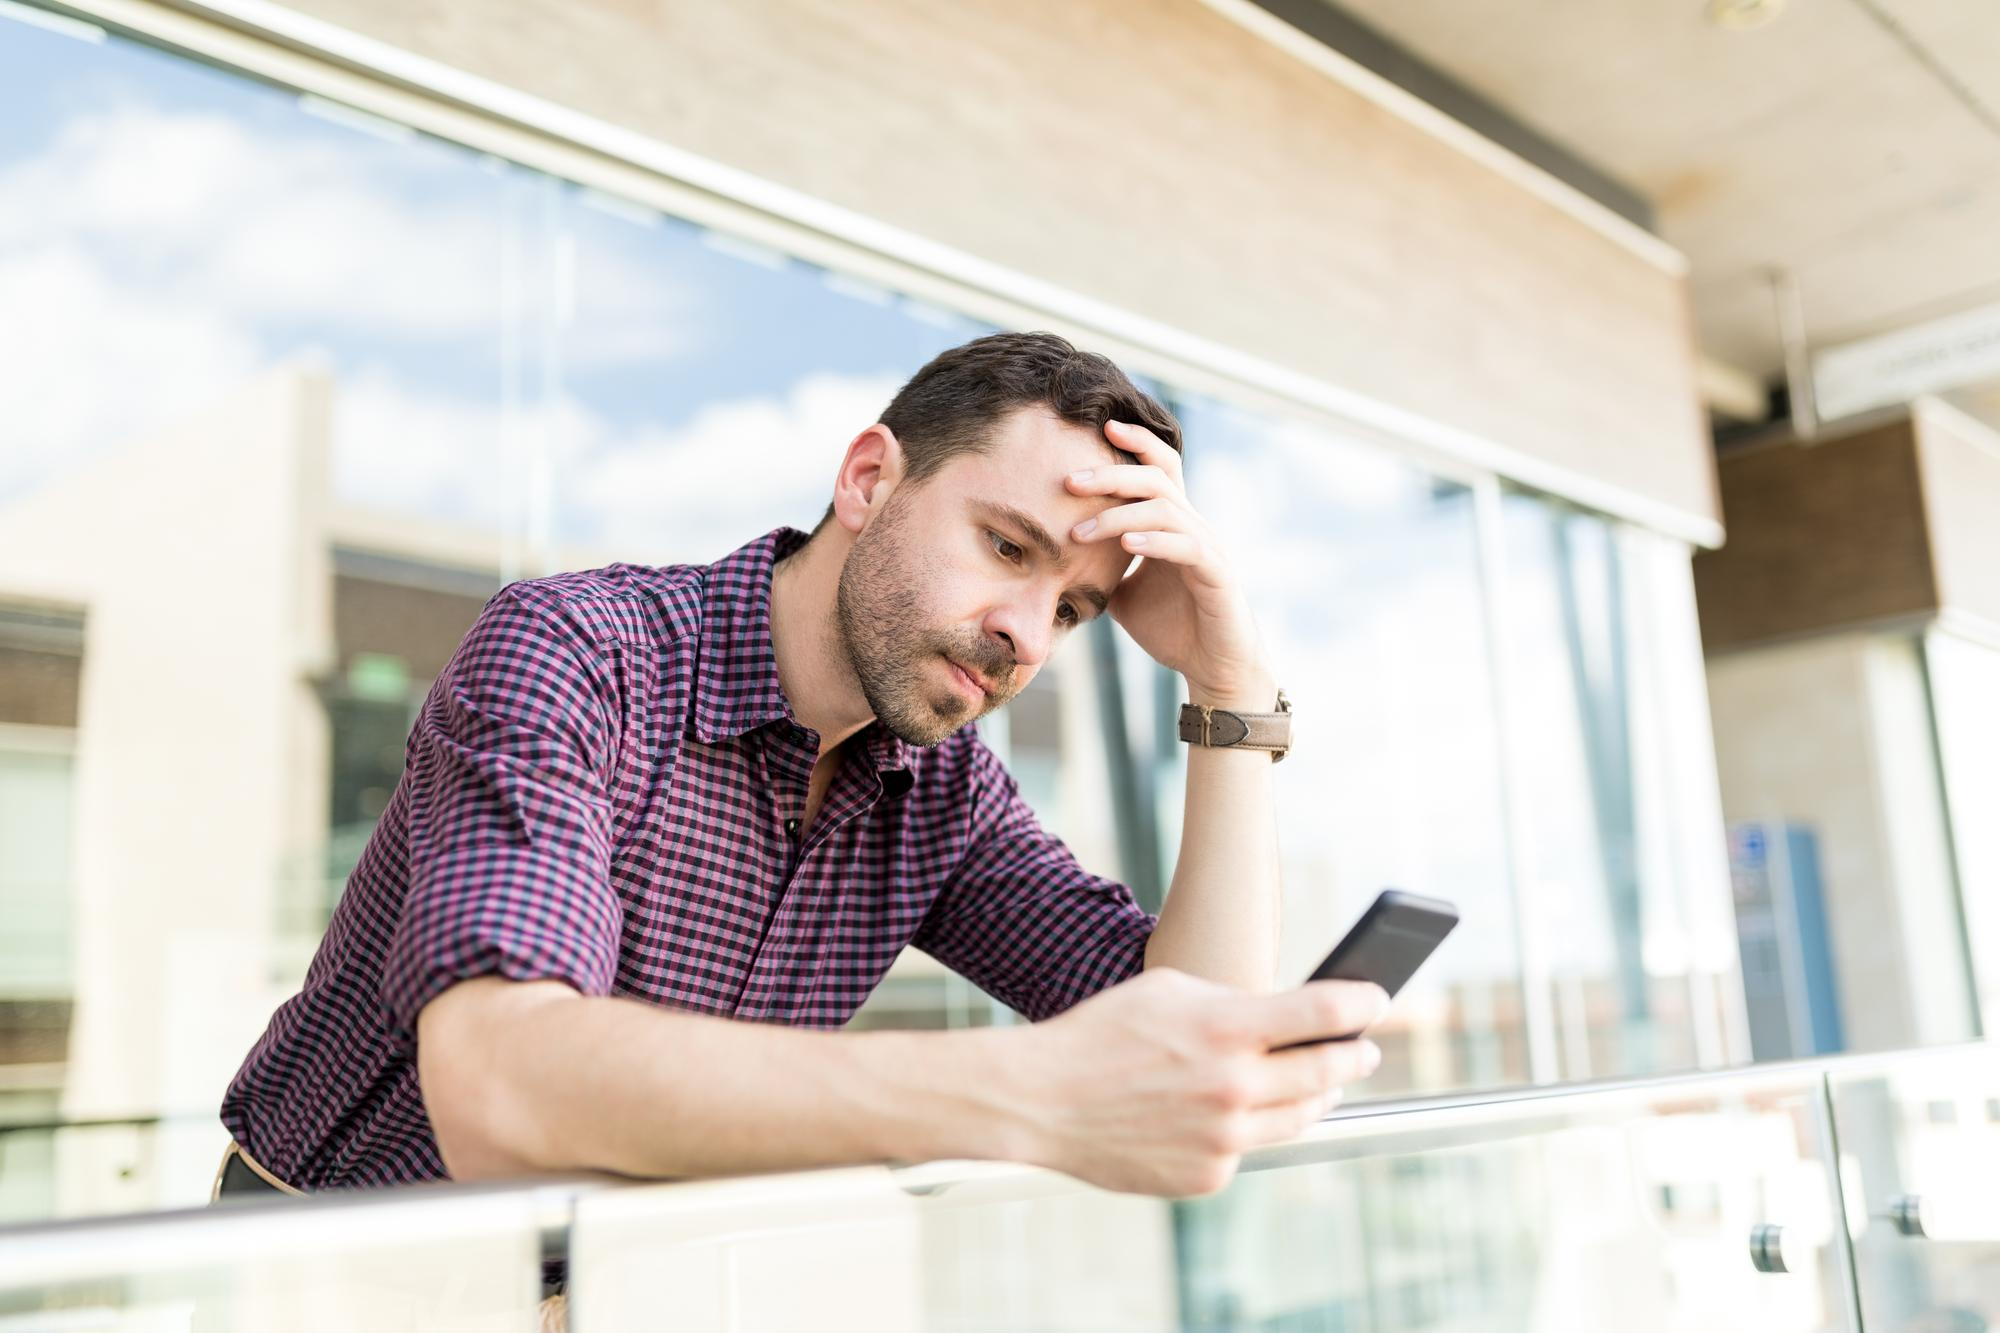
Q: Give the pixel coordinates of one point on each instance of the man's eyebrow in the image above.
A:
(1029, 527)
(1038, 537)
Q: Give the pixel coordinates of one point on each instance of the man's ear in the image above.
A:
(868, 475)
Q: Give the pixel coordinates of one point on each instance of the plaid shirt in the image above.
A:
(604, 788)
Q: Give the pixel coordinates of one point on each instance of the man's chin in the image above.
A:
(935, 722)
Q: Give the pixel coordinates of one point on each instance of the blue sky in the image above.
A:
(242, 230)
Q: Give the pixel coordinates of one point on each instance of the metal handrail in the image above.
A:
(263, 1225)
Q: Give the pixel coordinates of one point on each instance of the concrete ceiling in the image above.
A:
(1856, 142)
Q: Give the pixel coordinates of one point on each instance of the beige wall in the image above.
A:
(1959, 460)
(1157, 156)
(1834, 733)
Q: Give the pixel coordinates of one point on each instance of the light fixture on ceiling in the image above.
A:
(1742, 15)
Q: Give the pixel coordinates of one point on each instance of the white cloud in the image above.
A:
(86, 362)
(403, 242)
(738, 468)
(154, 261)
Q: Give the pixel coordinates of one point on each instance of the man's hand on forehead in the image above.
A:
(1182, 605)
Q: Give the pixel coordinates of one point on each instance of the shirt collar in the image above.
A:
(736, 687)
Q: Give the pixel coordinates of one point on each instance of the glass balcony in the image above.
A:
(1630, 1206)
(1920, 1149)
(1836, 1194)
(425, 1258)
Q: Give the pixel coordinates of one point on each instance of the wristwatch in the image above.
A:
(1220, 727)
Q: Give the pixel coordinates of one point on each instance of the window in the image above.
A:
(294, 390)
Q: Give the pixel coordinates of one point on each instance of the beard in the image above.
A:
(881, 619)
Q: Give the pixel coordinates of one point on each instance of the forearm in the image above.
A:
(616, 1085)
(1221, 916)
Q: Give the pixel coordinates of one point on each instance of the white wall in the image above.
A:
(200, 568)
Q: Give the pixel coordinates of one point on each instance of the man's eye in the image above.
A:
(1066, 614)
(1005, 549)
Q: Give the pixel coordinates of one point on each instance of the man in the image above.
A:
(658, 825)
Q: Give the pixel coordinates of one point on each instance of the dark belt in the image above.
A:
(238, 1178)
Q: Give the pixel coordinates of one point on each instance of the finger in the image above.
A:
(1284, 1121)
(1162, 515)
(1147, 447)
(1312, 1071)
(1176, 548)
(1136, 481)
(1316, 1009)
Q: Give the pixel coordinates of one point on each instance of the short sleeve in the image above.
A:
(506, 793)
(1021, 919)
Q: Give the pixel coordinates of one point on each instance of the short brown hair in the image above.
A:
(950, 407)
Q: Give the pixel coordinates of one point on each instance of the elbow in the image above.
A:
(476, 1074)
(473, 1144)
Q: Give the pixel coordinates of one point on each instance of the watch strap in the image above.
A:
(1226, 728)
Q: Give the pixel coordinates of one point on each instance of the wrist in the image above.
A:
(989, 1085)
(1256, 695)
(1025, 1092)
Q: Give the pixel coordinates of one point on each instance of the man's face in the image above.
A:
(974, 571)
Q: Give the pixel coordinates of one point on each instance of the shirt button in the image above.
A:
(791, 828)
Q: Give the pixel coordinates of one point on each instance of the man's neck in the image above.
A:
(812, 669)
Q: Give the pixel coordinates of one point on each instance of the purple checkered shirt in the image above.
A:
(602, 789)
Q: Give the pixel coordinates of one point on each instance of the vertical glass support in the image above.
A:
(1827, 1123)
(1537, 988)
(1132, 801)
(1952, 811)
(1603, 705)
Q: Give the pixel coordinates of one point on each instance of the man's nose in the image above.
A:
(1023, 632)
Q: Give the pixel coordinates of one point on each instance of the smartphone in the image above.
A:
(1386, 946)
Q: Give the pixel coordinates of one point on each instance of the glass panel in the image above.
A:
(1920, 1150)
(811, 1250)
(417, 372)
(1364, 575)
(1596, 812)
(443, 1261)
(269, 323)
(248, 333)
(1618, 1211)
(1680, 810)
(1572, 1219)
(53, 1166)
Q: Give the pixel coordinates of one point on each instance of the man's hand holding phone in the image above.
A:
(1160, 1085)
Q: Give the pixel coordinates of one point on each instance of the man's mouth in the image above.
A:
(970, 679)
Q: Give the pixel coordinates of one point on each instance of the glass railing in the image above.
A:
(64, 1168)
(1837, 1194)
(1920, 1156)
(1630, 1207)
(440, 1258)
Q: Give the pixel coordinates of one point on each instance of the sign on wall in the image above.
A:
(1899, 366)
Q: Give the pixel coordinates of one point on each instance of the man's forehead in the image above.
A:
(1028, 456)
(1039, 428)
